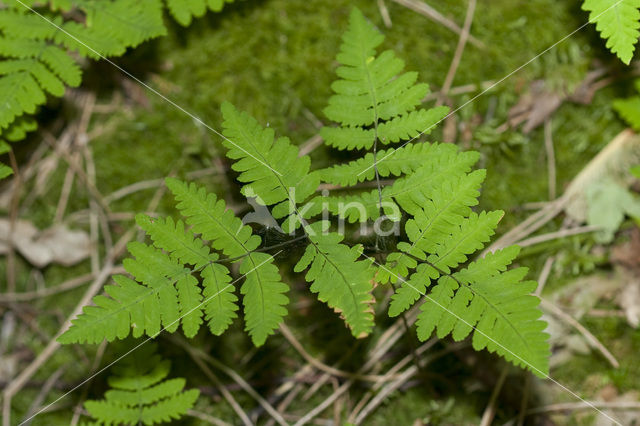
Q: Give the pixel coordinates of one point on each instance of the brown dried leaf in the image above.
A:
(57, 244)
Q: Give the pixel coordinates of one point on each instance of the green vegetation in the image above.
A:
(282, 75)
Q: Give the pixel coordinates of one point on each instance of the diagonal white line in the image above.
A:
(546, 376)
(591, 20)
(144, 341)
(151, 89)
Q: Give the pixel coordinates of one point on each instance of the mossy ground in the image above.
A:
(275, 59)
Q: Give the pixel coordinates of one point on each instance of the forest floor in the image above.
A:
(536, 130)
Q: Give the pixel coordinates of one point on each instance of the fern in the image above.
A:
(185, 11)
(618, 22)
(629, 108)
(180, 278)
(274, 170)
(166, 291)
(140, 394)
(437, 194)
(40, 55)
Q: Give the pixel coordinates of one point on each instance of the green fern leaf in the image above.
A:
(129, 23)
(405, 160)
(263, 288)
(629, 110)
(270, 168)
(410, 192)
(618, 22)
(496, 304)
(185, 11)
(131, 308)
(409, 126)
(139, 393)
(220, 307)
(341, 281)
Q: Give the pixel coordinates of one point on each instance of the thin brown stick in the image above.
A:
(286, 332)
(310, 145)
(77, 412)
(214, 379)
(457, 57)
(551, 158)
(460, 90)
(42, 395)
(591, 339)
(94, 210)
(234, 376)
(584, 405)
(13, 216)
(78, 171)
(384, 392)
(525, 400)
(65, 192)
(562, 233)
(50, 291)
(529, 225)
(544, 275)
(429, 12)
(384, 12)
(207, 418)
(490, 410)
(391, 373)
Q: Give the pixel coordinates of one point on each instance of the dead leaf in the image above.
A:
(627, 254)
(535, 107)
(613, 162)
(57, 244)
(539, 103)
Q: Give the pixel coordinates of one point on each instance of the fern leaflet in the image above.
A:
(618, 22)
(140, 394)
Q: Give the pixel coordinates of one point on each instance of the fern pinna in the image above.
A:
(617, 21)
(41, 44)
(140, 394)
(183, 275)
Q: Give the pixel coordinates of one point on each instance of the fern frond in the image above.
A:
(185, 11)
(629, 108)
(145, 309)
(618, 22)
(276, 173)
(219, 299)
(140, 394)
(270, 168)
(129, 23)
(409, 126)
(220, 307)
(442, 248)
(370, 92)
(404, 160)
(4, 169)
(446, 206)
(341, 280)
(131, 308)
(496, 304)
(265, 298)
(16, 131)
(410, 192)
